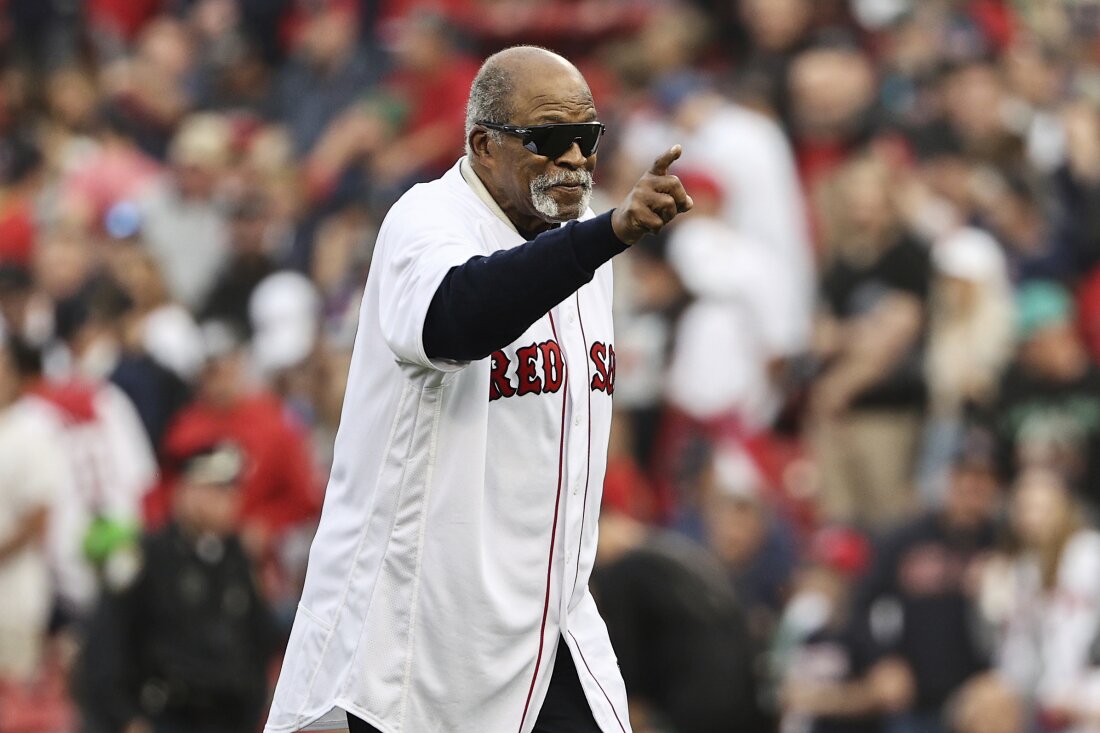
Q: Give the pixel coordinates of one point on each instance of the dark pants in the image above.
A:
(566, 709)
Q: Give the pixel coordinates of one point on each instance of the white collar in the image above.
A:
(475, 184)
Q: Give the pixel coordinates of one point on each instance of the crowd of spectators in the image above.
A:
(854, 477)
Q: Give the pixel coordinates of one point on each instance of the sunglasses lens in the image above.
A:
(553, 141)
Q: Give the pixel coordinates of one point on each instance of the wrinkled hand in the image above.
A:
(656, 199)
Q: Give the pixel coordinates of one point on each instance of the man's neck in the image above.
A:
(526, 227)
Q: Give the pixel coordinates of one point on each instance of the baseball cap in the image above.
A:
(204, 140)
(736, 475)
(699, 182)
(841, 549)
(284, 311)
(218, 465)
(970, 254)
(1039, 304)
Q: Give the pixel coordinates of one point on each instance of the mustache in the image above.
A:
(546, 181)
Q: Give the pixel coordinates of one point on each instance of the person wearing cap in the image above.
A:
(1048, 409)
(182, 638)
(736, 318)
(969, 343)
(279, 494)
(921, 577)
(827, 677)
(181, 219)
(251, 260)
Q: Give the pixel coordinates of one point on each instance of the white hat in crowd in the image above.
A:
(970, 254)
(285, 311)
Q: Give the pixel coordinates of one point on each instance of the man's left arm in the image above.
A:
(487, 302)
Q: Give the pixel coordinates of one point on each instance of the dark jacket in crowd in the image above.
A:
(184, 642)
(1059, 422)
(913, 604)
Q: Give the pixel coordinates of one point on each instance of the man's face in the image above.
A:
(534, 188)
(1054, 352)
(208, 508)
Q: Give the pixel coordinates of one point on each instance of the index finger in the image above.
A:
(660, 166)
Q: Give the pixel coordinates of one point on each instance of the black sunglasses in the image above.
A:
(554, 139)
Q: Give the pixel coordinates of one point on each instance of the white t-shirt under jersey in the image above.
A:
(459, 526)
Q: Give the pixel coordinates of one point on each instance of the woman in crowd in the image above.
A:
(969, 342)
(1041, 601)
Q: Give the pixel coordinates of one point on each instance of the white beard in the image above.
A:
(545, 204)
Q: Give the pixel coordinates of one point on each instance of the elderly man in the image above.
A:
(448, 583)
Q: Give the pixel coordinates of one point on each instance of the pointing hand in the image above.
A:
(656, 199)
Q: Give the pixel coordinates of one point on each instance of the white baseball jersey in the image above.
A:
(459, 526)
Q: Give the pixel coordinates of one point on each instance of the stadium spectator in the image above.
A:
(329, 69)
(752, 541)
(182, 637)
(827, 676)
(1041, 601)
(182, 219)
(970, 340)
(430, 81)
(738, 293)
(832, 93)
(105, 441)
(279, 493)
(916, 601)
(868, 401)
(748, 156)
(1048, 410)
(251, 260)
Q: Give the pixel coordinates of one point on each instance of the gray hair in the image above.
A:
(490, 99)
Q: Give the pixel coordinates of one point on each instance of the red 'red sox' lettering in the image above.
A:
(603, 358)
(499, 386)
(532, 376)
(529, 382)
(540, 369)
(553, 366)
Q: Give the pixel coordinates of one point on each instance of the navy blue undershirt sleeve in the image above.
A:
(485, 303)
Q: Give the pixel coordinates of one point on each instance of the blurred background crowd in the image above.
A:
(855, 467)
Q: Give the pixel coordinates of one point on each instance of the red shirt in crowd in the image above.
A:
(279, 488)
